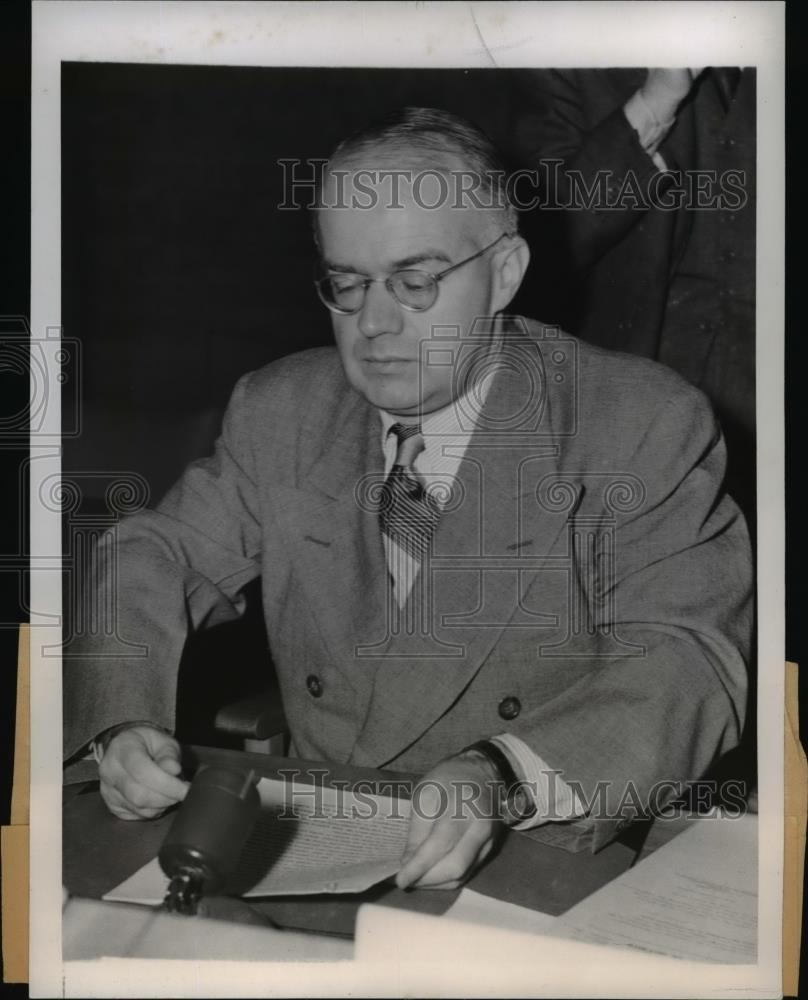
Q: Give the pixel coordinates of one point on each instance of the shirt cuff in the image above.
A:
(649, 129)
(555, 800)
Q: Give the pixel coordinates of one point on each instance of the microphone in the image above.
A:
(203, 846)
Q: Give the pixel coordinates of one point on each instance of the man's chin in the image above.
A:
(394, 403)
(390, 395)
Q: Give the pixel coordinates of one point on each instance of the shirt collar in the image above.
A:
(454, 424)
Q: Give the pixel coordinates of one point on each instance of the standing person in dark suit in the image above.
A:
(490, 554)
(660, 260)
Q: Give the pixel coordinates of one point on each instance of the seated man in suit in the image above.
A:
(490, 554)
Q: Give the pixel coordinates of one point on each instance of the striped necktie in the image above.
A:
(408, 515)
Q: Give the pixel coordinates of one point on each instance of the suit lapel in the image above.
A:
(335, 534)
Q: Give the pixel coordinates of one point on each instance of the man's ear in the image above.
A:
(510, 264)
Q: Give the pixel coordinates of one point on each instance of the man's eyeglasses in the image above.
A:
(412, 288)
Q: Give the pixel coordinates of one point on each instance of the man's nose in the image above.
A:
(380, 312)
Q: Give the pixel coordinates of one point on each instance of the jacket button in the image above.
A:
(509, 707)
(315, 685)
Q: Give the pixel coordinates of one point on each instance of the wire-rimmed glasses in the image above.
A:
(413, 288)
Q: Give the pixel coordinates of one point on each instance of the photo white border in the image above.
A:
(424, 35)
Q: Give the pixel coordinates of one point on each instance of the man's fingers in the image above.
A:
(127, 791)
(447, 854)
(426, 855)
(457, 867)
(139, 773)
(485, 850)
(428, 842)
(447, 873)
(140, 796)
(448, 830)
(121, 812)
(171, 765)
(417, 833)
(164, 750)
(429, 811)
(152, 776)
(456, 863)
(122, 809)
(133, 778)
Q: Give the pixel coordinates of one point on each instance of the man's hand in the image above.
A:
(453, 824)
(665, 89)
(139, 773)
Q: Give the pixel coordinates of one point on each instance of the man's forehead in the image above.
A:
(394, 226)
(380, 239)
(357, 255)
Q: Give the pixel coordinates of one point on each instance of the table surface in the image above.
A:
(100, 851)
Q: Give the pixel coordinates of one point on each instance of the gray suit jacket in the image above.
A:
(588, 569)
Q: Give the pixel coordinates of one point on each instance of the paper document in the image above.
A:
(695, 898)
(309, 839)
(441, 950)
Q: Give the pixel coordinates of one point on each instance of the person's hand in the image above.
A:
(453, 824)
(665, 89)
(139, 773)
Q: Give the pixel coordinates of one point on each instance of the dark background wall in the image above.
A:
(179, 272)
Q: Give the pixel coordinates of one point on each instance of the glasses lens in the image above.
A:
(342, 292)
(414, 289)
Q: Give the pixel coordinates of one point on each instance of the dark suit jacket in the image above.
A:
(614, 265)
(610, 275)
(587, 567)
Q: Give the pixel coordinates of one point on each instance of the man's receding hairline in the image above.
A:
(393, 153)
(424, 141)
(484, 227)
(448, 164)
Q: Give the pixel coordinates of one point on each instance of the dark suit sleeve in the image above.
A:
(676, 593)
(598, 149)
(157, 576)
